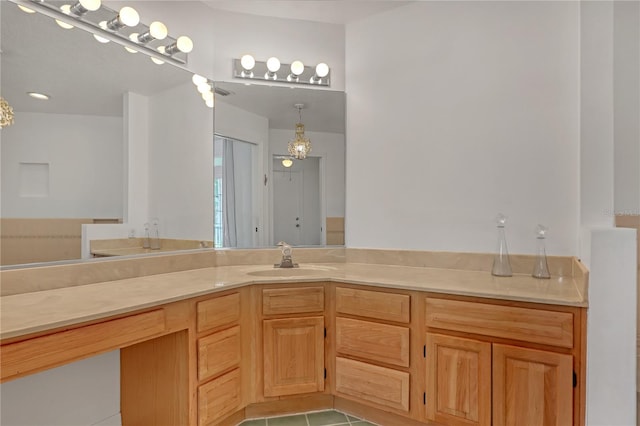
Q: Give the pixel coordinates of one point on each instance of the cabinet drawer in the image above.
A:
(217, 312)
(218, 352)
(378, 385)
(30, 356)
(276, 301)
(509, 322)
(377, 342)
(373, 304)
(219, 398)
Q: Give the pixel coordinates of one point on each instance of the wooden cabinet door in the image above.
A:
(293, 355)
(531, 387)
(458, 380)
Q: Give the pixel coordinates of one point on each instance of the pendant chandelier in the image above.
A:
(6, 113)
(300, 146)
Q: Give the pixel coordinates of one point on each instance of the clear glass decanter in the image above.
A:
(501, 264)
(146, 242)
(540, 266)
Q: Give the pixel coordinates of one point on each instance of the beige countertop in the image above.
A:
(27, 313)
(128, 251)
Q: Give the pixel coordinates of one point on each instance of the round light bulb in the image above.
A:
(134, 38)
(198, 79)
(66, 9)
(129, 16)
(156, 60)
(158, 30)
(103, 25)
(273, 64)
(287, 162)
(184, 43)
(209, 103)
(322, 70)
(91, 5)
(297, 67)
(207, 95)
(26, 9)
(204, 87)
(247, 62)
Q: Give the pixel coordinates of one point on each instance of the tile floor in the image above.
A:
(316, 418)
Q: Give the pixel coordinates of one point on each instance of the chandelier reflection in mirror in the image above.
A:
(272, 70)
(6, 113)
(300, 146)
(122, 26)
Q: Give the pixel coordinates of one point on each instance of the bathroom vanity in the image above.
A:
(396, 344)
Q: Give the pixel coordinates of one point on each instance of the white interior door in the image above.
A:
(287, 206)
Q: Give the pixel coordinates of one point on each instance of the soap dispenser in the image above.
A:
(540, 267)
(501, 265)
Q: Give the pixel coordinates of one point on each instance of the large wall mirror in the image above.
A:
(121, 141)
(262, 194)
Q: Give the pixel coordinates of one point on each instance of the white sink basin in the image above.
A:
(305, 270)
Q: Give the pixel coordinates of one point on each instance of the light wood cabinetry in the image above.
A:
(458, 380)
(219, 398)
(293, 356)
(502, 364)
(372, 354)
(293, 340)
(531, 387)
(396, 357)
(379, 385)
(219, 350)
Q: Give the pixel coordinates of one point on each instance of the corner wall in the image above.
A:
(457, 111)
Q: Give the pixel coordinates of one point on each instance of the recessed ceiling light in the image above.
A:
(37, 95)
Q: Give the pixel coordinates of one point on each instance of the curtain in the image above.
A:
(229, 230)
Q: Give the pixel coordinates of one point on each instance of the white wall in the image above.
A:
(87, 184)
(626, 104)
(329, 146)
(457, 111)
(608, 128)
(611, 328)
(181, 164)
(596, 126)
(84, 393)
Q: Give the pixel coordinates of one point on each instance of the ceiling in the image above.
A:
(327, 11)
(324, 110)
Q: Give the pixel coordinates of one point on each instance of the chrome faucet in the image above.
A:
(287, 261)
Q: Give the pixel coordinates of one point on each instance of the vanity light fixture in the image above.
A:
(127, 17)
(66, 9)
(297, 73)
(300, 146)
(6, 113)
(322, 70)
(83, 6)
(26, 9)
(297, 68)
(157, 31)
(273, 66)
(205, 88)
(122, 26)
(248, 63)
